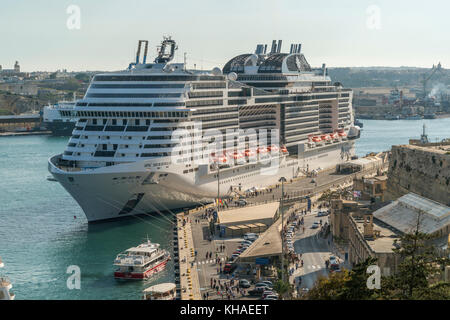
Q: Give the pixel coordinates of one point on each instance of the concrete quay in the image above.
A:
(189, 284)
(202, 256)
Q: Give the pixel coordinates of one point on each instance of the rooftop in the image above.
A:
(439, 147)
(250, 213)
(268, 244)
(382, 243)
(403, 214)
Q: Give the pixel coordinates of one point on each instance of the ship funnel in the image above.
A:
(299, 48)
(145, 52)
(292, 48)
(265, 48)
(274, 46)
(138, 54)
(279, 46)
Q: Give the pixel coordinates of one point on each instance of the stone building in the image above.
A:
(371, 189)
(423, 169)
(371, 233)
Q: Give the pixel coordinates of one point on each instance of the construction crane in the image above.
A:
(426, 78)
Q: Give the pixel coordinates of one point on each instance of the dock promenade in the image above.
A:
(202, 256)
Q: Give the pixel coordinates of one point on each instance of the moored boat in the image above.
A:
(162, 291)
(141, 262)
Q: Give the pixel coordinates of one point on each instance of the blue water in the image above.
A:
(380, 135)
(39, 237)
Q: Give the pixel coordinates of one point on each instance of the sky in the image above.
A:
(43, 35)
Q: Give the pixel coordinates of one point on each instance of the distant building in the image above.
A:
(7, 72)
(26, 89)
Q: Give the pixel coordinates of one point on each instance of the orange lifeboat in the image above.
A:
(273, 148)
(249, 153)
(284, 149)
(222, 159)
(316, 139)
(261, 150)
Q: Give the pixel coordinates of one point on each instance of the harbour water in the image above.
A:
(43, 231)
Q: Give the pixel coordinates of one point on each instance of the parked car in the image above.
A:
(229, 268)
(315, 225)
(250, 236)
(267, 293)
(255, 292)
(246, 242)
(268, 282)
(271, 297)
(242, 202)
(244, 283)
(234, 256)
(263, 285)
(321, 214)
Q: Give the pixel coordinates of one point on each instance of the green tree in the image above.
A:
(283, 288)
(417, 276)
(356, 287)
(329, 288)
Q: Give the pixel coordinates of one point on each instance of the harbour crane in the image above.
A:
(426, 78)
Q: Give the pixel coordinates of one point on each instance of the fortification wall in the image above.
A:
(425, 171)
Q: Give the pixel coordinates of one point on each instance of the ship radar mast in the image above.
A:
(166, 51)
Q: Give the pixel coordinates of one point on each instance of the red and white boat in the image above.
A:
(141, 262)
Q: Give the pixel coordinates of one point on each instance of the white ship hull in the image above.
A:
(132, 188)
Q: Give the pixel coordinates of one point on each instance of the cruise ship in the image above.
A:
(60, 118)
(158, 136)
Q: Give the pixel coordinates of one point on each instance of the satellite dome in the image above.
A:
(232, 76)
(216, 71)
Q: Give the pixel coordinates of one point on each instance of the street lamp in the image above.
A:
(282, 180)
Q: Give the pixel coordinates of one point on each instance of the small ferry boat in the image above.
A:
(141, 262)
(5, 286)
(162, 291)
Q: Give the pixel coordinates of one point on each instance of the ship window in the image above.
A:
(94, 121)
(114, 122)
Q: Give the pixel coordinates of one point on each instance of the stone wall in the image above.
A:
(424, 171)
